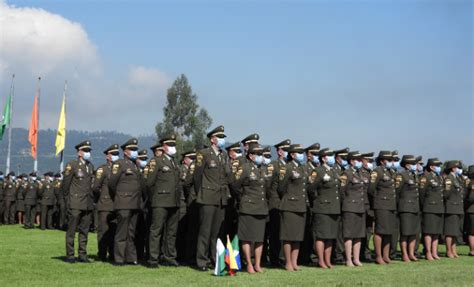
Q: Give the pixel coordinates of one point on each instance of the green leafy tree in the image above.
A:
(183, 117)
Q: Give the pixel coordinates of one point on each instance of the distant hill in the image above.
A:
(21, 160)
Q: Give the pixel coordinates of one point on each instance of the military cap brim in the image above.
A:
(168, 140)
(113, 149)
(452, 164)
(156, 146)
(218, 132)
(314, 148)
(384, 154)
(408, 159)
(326, 152)
(253, 138)
(255, 149)
(131, 144)
(84, 146)
(296, 148)
(284, 145)
(342, 152)
(234, 146)
(433, 161)
(354, 155)
(143, 154)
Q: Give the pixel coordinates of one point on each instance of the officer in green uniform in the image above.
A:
(292, 182)
(126, 185)
(354, 195)
(9, 198)
(20, 201)
(163, 181)
(469, 206)
(211, 185)
(273, 225)
(406, 184)
(60, 201)
(454, 209)
(340, 166)
(77, 188)
(326, 206)
(249, 179)
(367, 167)
(31, 196)
(432, 202)
(192, 209)
(382, 189)
(395, 168)
(236, 160)
(107, 223)
(48, 200)
(141, 230)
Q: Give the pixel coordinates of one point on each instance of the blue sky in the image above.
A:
(369, 75)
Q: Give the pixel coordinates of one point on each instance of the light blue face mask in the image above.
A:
(389, 164)
(459, 171)
(344, 163)
(114, 158)
(396, 165)
(370, 166)
(171, 150)
(315, 159)
(437, 170)
(413, 168)
(300, 157)
(86, 155)
(258, 159)
(285, 154)
(358, 164)
(237, 155)
(330, 160)
(221, 142)
(143, 163)
(133, 154)
(266, 161)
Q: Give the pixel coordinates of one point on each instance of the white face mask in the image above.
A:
(171, 150)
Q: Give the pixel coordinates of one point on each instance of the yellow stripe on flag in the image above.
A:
(61, 134)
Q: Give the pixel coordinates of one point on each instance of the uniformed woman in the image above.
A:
(453, 193)
(293, 182)
(432, 202)
(470, 209)
(20, 202)
(408, 207)
(353, 192)
(382, 189)
(253, 207)
(324, 190)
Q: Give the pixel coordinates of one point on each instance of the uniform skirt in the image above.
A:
(353, 225)
(470, 224)
(433, 223)
(325, 226)
(410, 224)
(251, 227)
(20, 205)
(292, 225)
(453, 225)
(385, 221)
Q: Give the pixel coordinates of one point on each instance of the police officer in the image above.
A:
(354, 193)
(253, 206)
(31, 196)
(48, 200)
(236, 160)
(326, 208)
(211, 185)
(141, 230)
(60, 201)
(77, 189)
(406, 184)
(192, 209)
(107, 223)
(163, 182)
(126, 185)
(20, 200)
(293, 180)
(432, 202)
(367, 167)
(382, 188)
(454, 209)
(9, 199)
(470, 209)
(340, 166)
(273, 226)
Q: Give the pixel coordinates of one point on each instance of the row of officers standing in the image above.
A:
(326, 204)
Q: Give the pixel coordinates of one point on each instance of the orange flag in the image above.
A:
(33, 134)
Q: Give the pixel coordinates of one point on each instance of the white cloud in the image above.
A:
(35, 42)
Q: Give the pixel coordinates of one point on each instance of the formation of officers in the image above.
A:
(309, 205)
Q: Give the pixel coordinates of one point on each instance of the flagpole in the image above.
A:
(35, 166)
(12, 90)
(61, 165)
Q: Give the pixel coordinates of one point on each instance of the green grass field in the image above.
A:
(34, 258)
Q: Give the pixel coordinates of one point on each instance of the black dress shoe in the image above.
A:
(84, 260)
(152, 265)
(202, 268)
(132, 263)
(172, 263)
(70, 260)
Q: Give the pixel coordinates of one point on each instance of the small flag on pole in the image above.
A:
(7, 116)
(230, 258)
(33, 133)
(61, 134)
(235, 247)
(220, 259)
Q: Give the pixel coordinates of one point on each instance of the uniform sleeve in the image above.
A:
(115, 175)
(282, 179)
(422, 188)
(67, 179)
(198, 172)
(448, 185)
(100, 175)
(374, 180)
(345, 177)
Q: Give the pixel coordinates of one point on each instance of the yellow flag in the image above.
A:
(61, 135)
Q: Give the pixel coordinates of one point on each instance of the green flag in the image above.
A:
(7, 116)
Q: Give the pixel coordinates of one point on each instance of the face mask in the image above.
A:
(237, 155)
(344, 163)
(221, 142)
(266, 161)
(300, 157)
(315, 159)
(171, 150)
(389, 164)
(396, 165)
(133, 154)
(370, 166)
(330, 160)
(143, 163)
(459, 172)
(33, 178)
(437, 170)
(258, 159)
(86, 155)
(13, 177)
(285, 154)
(413, 168)
(358, 164)
(114, 158)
